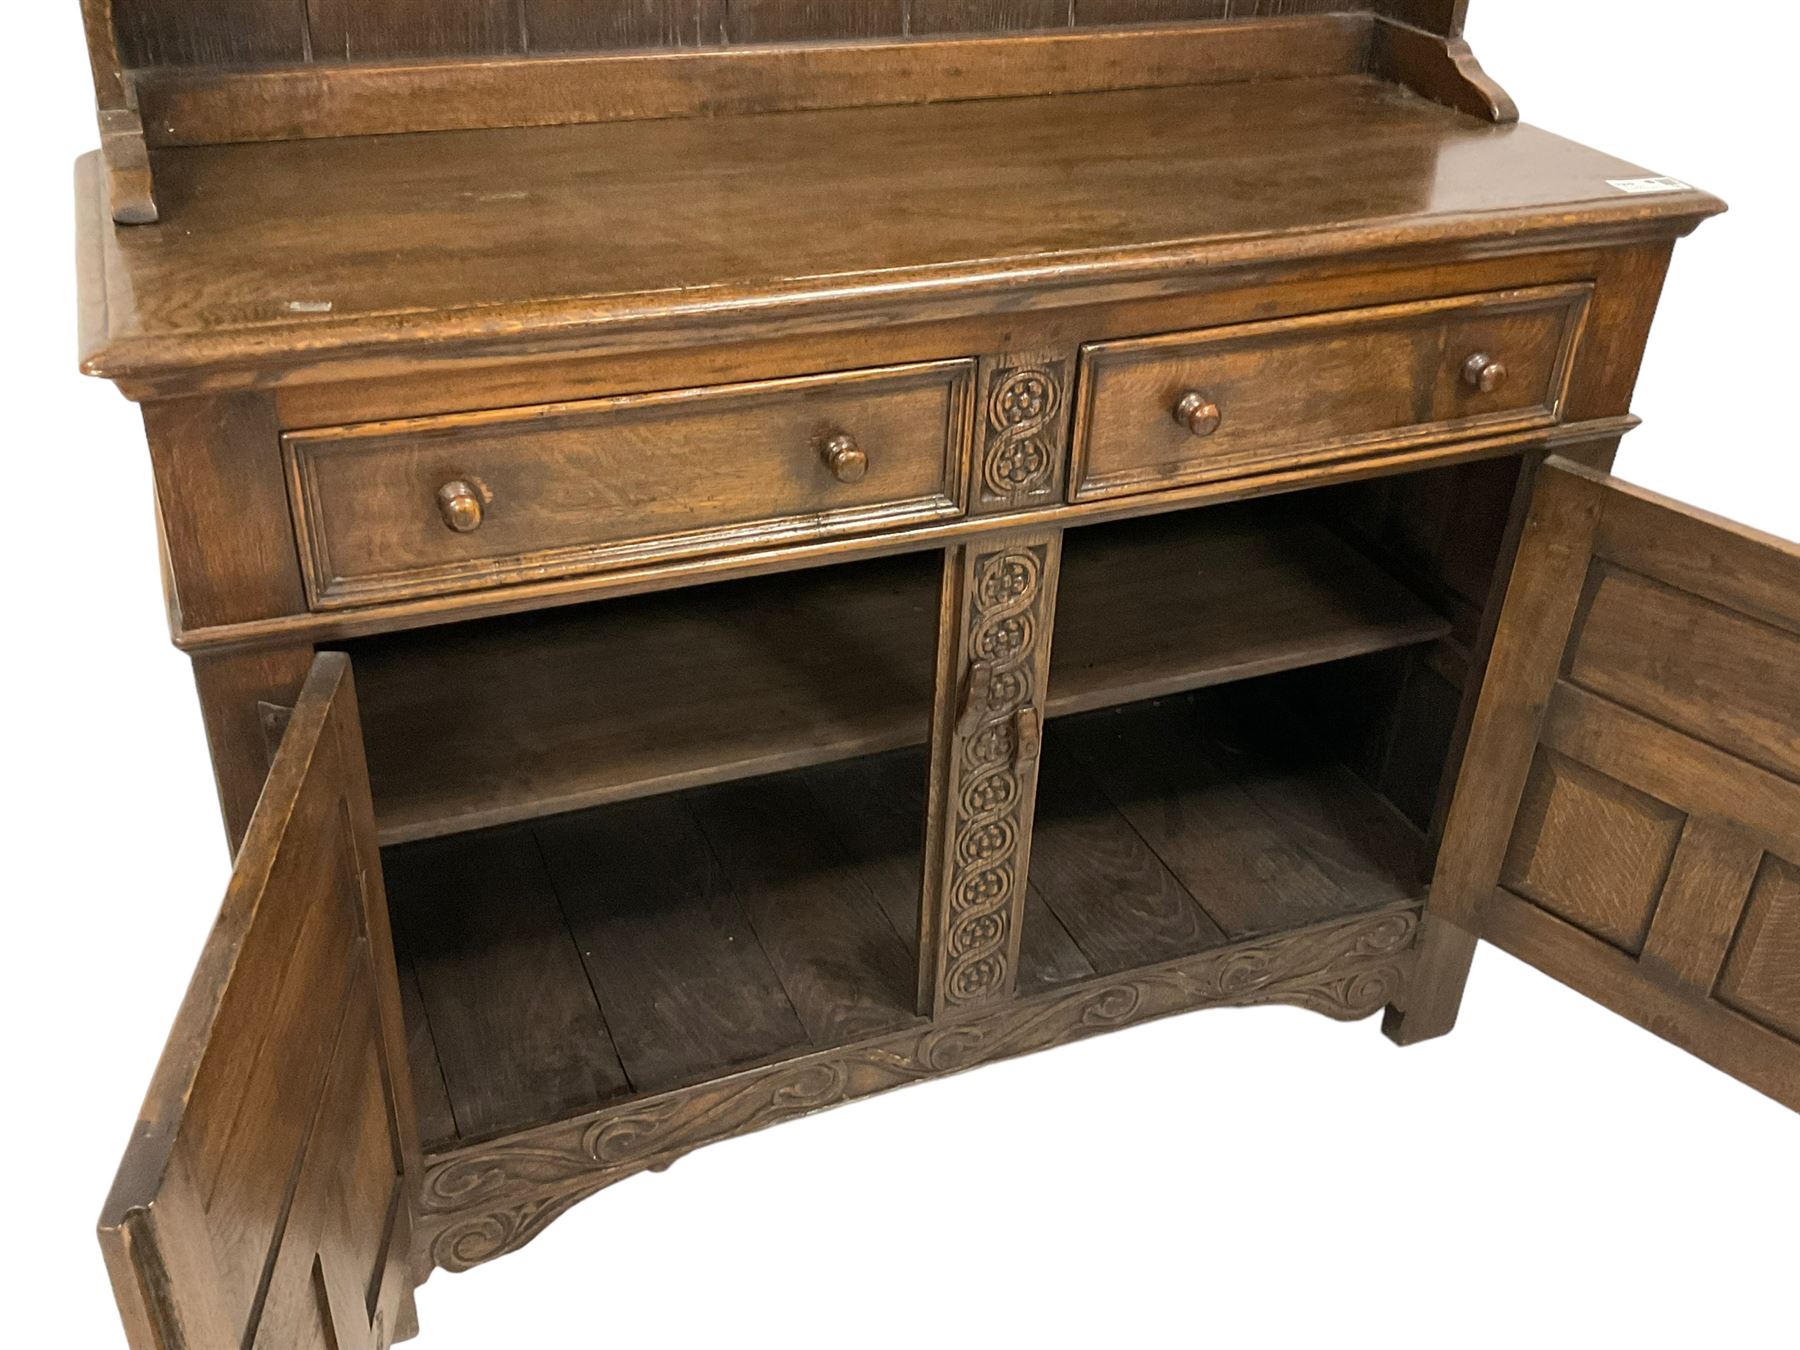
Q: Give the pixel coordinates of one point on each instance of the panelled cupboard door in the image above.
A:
(1628, 815)
(266, 1197)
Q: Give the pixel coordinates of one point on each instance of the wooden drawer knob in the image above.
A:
(847, 460)
(459, 502)
(1483, 372)
(1198, 413)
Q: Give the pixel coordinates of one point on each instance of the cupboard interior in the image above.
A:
(643, 843)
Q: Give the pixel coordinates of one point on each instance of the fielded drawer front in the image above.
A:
(1184, 408)
(432, 505)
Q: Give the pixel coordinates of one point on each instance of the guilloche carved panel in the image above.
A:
(998, 603)
(1024, 435)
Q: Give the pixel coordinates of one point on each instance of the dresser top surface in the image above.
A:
(310, 249)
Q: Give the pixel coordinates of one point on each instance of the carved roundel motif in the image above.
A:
(978, 977)
(984, 931)
(1017, 464)
(989, 793)
(1023, 398)
(989, 885)
(992, 840)
(1005, 582)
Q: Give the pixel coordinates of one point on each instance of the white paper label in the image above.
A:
(1636, 186)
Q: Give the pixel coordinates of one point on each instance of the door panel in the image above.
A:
(1628, 816)
(265, 1198)
(1761, 978)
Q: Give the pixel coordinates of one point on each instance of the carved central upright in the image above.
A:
(994, 665)
(1025, 432)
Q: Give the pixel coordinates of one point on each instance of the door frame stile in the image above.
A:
(1542, 598)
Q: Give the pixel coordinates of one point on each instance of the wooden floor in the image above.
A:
(554, 966)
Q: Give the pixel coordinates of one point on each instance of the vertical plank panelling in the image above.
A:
(1103, 883)
(800, 20)
(1281, 9)
(1479, 537)
(987, 16)
(1148, 11)
(1437, 16)
(1420, 730)
(611, 25)
(210, 32)
(265, 32)
(683, 983)
(520, 1035)
(358, 30)
(824, 932)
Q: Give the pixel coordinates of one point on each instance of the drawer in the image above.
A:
(431, 505)
(1191, 407)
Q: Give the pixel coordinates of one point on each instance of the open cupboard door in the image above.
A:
(266, 1198)
(1628, 814)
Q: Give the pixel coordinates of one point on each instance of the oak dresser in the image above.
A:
(738, 554)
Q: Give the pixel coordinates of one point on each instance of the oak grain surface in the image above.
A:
(1108, 890)
(518, 1034)
(268, 1191)
(1203, 824)
(376, 243)
(1645, 853)
(626, 480)
(847, 973)
(686, 988)
(474, 263)
(695, 935)
(183, 32)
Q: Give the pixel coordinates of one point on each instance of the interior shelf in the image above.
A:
(1202, 598)
(482, 724)
(567, 963)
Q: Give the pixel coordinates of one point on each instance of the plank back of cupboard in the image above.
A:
(168, 33)
(171, 73)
